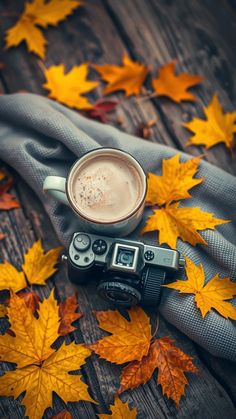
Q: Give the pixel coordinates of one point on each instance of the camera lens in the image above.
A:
(118, 296)
(119, 293)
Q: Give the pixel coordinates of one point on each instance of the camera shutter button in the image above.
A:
(149, 255)
(82, 242)
(99, 247)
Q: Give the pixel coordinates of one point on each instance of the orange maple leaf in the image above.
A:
(175, 87)
(120, 411)
(217, 128)
(173, 222)
(211, 295)
(67, 313)
(129, 340)
(31, 299)
(128, 77)
(175, 182)
(40, 369)
(68, 88)
(7, 200)
(171, 363)
(38, 13)
(38, 266)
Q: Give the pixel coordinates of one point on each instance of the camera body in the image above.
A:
(127, 272)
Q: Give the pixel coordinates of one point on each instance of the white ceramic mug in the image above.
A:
(60, 188)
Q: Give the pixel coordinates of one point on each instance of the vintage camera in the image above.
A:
(127, 272)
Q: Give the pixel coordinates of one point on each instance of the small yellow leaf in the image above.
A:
(211, 295)
(128, 77)
(10, 278)
(129, 340)
(175, 87)
(217, 128)
(41, 13)
(120, 411)
(68, 88)
(51, 12)
(175, 182)
(25, 30)
(39, 266)
(173, 222)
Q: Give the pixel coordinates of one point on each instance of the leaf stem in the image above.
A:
(157, 326)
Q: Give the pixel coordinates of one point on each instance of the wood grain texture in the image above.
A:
(200, 34)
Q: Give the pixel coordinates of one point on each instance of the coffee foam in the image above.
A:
(107, 188)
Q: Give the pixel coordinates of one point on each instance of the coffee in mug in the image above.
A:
(106, 188)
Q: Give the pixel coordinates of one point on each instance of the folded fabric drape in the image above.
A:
(39, 137)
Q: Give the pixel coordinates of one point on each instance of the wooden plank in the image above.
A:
(159, 31)
(73, 42)
(92, 34)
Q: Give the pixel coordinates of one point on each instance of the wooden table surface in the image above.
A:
(201, 36)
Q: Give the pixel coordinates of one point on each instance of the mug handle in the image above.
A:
(55, 186)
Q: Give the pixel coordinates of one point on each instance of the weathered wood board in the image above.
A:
(201, 36)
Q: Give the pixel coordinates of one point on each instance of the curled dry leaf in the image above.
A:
(2, 236)
(64, 414)
(128, 77)
(38, 266)
(7, 200)
(219, 127)
(67, 314)
(101, 110)
(38, 13)
(144, 129)
(129, 340)
(171, 362)
(31, 299)
(2, 172)
(174, 183)
(120, 411)
(173, 222)
(175, 87)
(208, 296)
(39, 367)
(68, 88)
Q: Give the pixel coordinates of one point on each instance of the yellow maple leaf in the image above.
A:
(175, 182)
(68, 88)
(38, 13)
(120, 411)
(3, 310)
(37, 268)
(217, 128)
(211, 295)
(40, 369)
(171, 363)
(175, 87)
(173, 222)
(11, 278)
(129, 340)
(128, 77)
